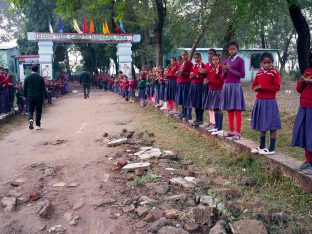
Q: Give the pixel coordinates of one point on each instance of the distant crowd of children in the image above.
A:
(12, 91)
(216, 87)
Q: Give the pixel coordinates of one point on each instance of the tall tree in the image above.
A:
(161, 9)
(304, 35)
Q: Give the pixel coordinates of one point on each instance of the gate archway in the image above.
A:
(45, 43)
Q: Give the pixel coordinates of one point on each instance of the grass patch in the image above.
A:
(149, 177)
(273, 192)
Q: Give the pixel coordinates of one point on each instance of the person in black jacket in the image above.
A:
(85, 81)
(36, 93)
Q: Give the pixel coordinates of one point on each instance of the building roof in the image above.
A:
(219, 49)
(7, 47)
(26, 56)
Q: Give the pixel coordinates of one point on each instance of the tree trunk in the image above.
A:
(227, 39)
(196, 42)
(161, 13)
(304, 36)
(263, 44)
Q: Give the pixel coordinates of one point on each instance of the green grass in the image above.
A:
(149, 177)
(283, 137)
(273, 192)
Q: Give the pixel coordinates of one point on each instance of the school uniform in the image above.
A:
(302, 133)
(265, 114)
(162, 88)
(125, 89)
(132, 88)
(183, 88)
(142, 90)
(208, 67)
(215, 82)
(196, 91)
(232, 96)
(156, 86)
(171, 83)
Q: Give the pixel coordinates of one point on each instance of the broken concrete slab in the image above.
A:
(141, 210)
(248, 226)
(60, 184)
(128, 209)
(46, 210)
(154, 228)
(9, 203)
(103, 202)
(175, 198)
(208, 200)
(193, 180)
(171, 230)
(168, 154)
(181, 181)
(147, 200)
(218, 228)
(204, 214)
(117, 142)
(134, 166)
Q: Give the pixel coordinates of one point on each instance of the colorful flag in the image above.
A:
(106, 28)
(122, 27)
(91, 28)
(85, 25)
(60, 25)
(50, 28)
(118, 30)
(76, 27)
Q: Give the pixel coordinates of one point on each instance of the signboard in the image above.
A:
(46, 71)
(126, 69)
(83, 38)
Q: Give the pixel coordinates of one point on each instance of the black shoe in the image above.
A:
(31, 124)
(303, 166)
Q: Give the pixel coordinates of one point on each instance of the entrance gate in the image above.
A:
(45, 43)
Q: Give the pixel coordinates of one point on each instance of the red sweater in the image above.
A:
(5, 82)
(306, 91)
(270, 83)
(184, 77)
(172, 72)
(199, 76)
(215, 79)
(125, 84)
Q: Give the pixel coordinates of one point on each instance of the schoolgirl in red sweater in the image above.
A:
(302, 133)
(265, 114)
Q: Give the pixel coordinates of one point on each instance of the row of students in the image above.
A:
(217, 87)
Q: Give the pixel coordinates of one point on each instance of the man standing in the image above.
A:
(85, 81)
(35, 92)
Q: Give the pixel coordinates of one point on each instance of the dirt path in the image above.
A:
(67, 148)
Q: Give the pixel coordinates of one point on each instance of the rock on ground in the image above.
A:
(158, 225)
(248, 226)
(9, 203)
(218, 228)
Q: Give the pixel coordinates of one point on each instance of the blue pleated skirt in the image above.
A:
(162, 90)
(131, 92)
(302, 133)
(142, 94)
(125, 93)
(156, 93)
(214, 97)
(232, 97)
(171, 90)
(265, 115)
(205, 97)
(183, 90)
(195, 96)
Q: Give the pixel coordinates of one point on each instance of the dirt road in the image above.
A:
(65, 151)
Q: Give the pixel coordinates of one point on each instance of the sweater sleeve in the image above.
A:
(301, 85)
(241, 70)
(276, 84)
(255, 83)
(187, 70)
